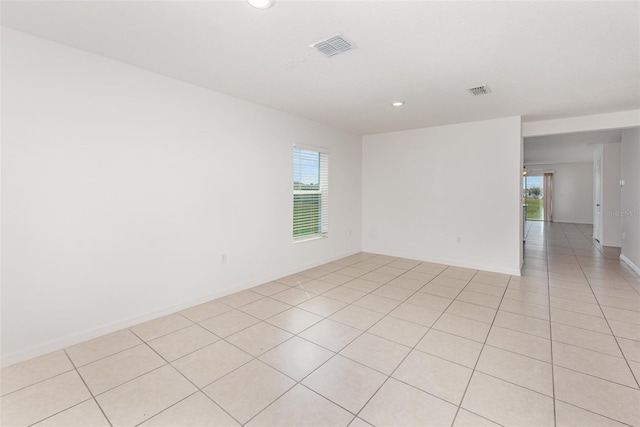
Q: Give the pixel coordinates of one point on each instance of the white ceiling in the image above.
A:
(541, 59)
(566, 148)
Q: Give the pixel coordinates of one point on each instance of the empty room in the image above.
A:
(320, 213)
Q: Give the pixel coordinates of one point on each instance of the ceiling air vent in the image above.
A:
(479, 90)
(333, 45)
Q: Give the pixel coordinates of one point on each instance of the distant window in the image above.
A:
(310, 193)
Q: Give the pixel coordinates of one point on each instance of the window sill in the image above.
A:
(309, 238)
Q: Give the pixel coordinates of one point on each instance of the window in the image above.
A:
(310, 193)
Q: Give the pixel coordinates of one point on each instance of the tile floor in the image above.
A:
(368, 340)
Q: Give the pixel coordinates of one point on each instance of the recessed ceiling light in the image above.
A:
(261, 4)
(398, 103)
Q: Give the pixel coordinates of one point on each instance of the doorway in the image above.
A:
(534, 197)
(538, 196)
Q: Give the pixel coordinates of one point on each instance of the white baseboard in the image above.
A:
(630, 264)
(72, 339)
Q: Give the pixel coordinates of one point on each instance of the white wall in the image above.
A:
(631, 196)
(617, 120)
(572, 191)
(122, 188)
(447, 194)
(611, 194)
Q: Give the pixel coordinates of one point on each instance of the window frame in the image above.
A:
(323, 191)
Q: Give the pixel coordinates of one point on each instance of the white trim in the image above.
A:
(312, 148)
(629, 263)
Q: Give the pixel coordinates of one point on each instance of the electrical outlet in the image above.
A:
(223, 259)
(624, 235)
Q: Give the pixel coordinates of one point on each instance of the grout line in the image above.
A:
(553, 378)
(88, 389)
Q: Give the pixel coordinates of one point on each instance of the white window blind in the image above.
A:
(310, 193)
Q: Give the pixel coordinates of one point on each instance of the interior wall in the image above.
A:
(572, 191)
(123, 188)
(630, 212)
(449, 194)
(611, 194)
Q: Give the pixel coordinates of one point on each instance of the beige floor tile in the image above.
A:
(358, 422)
(459, 273)
(375, 352)
(356, 317)
(322, 306)
(196, 410)
(377, 303)
(416, 314)
(526, 324)
(98, 348)
(630, 348)
(304, 408)
(622, 303)
(604, 343)
(576, 307)
(419, 275)
(182, 342)
(472, 311)
(248, 390)
(32, 371)
(463, 327)
(398, 330)
(584, 321)
(484, 288)
(572, 416)
(450, 347)
(593, 394)
(296, 357)
(337, 278)
(600, 365)
(264, 308)
(205, 311)
(525, 309)
(119, 368)
(629, 331)
(394, 292)
(293, 296)
(240, 298)
(479, 298)
(85, 414)
(345, 294)
(515, 368)
(378, 277)
(621, 315)
(521, 343)
(450, 282)
(332, 335)
(294, 320)
(36, 402)
(345, 382)
(229, 323)
(436, 376)
(522, 295)
(635, 368)
(440, 290)
(161, 326)
(469, 419)
(429, 301)
(398, 404)
(506, 403)
(362, 285)
(198, 366)
(317, 286)
(407, 283)
(140, 399)
(259, 338)
(572, 295)
(293, 280)
(270, 288)
(353, 272)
